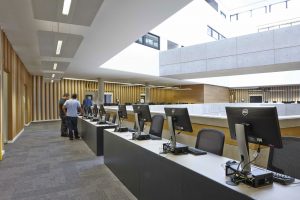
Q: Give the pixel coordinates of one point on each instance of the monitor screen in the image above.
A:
(95, 109)
(143, 111)
(102, 110)
(261, 124)
(181, 118)
(122, 112)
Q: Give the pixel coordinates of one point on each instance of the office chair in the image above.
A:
(107, 116)
(286, 160)
(157, 125)
(114, 117)
(210, 140)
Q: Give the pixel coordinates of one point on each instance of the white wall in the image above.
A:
(189, 25)
(136, 58)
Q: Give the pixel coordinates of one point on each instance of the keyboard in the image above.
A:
(101, 122)
(154, 137)
(195, 151)
(282, 179)
(131, 130)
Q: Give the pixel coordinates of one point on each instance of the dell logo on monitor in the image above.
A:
(245, 112)
(173, 111)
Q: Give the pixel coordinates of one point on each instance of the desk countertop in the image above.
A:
(212, 167)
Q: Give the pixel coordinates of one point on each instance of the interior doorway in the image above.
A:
(5, 108)
(108, 97)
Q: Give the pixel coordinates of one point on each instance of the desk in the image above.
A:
(150, 175)
(92, 134)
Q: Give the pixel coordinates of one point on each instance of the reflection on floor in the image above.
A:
(42, 165)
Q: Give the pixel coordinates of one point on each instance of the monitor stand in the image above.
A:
(256, 178)
(101, 121)
(119, 128)
(139, 135)
(174, 147)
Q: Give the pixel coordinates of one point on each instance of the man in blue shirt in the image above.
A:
(87, 102)
(71, 108)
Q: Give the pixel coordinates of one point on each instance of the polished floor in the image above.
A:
(42, 165)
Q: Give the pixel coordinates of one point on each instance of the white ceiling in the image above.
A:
(105, 28)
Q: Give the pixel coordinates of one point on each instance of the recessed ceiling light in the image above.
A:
(53, 75)
(58, 48)
(52, 81)
(54, 66)
(66, 8)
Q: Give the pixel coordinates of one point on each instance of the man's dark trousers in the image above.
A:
(64, 125)
(72, 126)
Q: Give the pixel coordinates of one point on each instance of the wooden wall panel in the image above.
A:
(1, 93)
(216, 94)
(269, 94)
(19, 98)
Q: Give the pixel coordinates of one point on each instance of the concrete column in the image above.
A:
(100, 92)
(147, 93)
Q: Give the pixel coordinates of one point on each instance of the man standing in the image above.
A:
(62, 115)
(87, 102)
(72, 107)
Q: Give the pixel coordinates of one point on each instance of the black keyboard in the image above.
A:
(131, 130)
(101, 122)
(195, 151)
(154, 137)
(282, 179)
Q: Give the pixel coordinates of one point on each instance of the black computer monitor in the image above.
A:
(143, 111)
(142, 115)
(102, 110)
(95, 110)
(122, 111)
(178, 119)
(257, 125)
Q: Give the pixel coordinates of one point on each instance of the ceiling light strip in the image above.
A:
(66, 7)
(54, 66)
(58, 48)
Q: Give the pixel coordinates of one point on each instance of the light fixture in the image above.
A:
(54, 66)
(66, 7)
(52, 81)
(58, 48)
(53, 75)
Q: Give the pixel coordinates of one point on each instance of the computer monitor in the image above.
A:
(142, 114)
(178, 119)
(102, 110)
(95, 110)
(258, 125)
(122, 111)
(122, 114)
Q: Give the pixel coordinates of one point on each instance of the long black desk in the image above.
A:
(92, 134)
(150, 175)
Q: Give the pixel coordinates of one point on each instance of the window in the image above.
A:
(150, 40)
(234, 17)
(215, 34)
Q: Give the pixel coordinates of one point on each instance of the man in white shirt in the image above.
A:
(71, 108)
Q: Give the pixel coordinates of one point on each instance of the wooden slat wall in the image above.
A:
(1, 94)
(19, 79)
(46, 95)
(269, 94)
